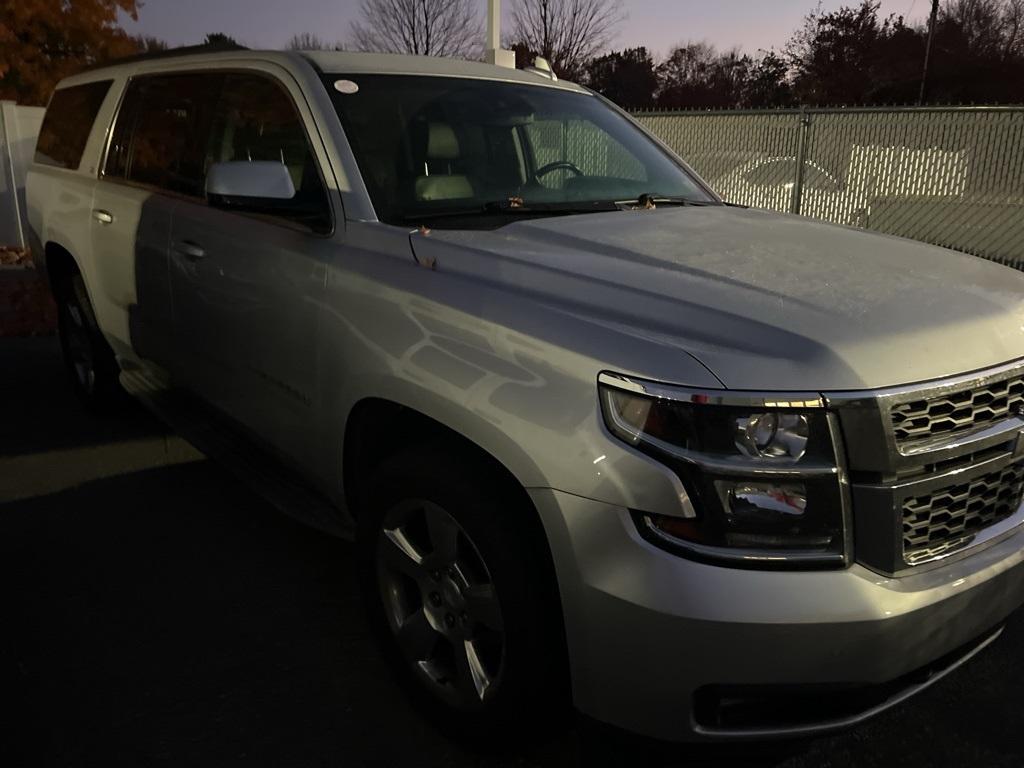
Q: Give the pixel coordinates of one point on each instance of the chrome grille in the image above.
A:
(935, 470)
(947, 519)
(918, 421)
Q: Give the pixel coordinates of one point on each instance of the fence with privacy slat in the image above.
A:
(19, 127)
(951, 176)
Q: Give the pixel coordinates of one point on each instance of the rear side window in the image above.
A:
(161, 132)
(68, 123)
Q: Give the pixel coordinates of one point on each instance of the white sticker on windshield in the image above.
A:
(345, 86)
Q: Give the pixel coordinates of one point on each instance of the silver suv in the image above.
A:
(702, 472)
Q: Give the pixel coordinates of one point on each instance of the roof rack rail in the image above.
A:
(170, 53)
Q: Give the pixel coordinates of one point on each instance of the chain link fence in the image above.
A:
(949, 176)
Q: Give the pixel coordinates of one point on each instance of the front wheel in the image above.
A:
(456, 590)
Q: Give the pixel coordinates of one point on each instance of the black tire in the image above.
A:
(89, 359)
(528, 693)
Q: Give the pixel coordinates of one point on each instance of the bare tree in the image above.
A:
(699, 75)
(307, 41)
(1014, 26)
(991, 27)
(568, 33)
(424, 27)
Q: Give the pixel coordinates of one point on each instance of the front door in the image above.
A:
(246, 284)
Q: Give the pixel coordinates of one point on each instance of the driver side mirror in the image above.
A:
(256, 186)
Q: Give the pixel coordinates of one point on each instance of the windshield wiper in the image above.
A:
(653, 200)
(515, 207)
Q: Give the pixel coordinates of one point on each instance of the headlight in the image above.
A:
(765, 435)
(761, 472)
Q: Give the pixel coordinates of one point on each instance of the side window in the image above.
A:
(161, 131)
(256, 120)
(68, 123)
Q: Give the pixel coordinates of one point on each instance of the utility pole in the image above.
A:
(928, 51)
(494, 52)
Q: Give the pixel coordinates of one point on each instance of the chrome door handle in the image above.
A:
(190, 250)
(102, 216)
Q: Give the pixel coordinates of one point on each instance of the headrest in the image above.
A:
(442, 143)
(443, 188)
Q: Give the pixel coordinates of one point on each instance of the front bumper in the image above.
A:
(650, 633)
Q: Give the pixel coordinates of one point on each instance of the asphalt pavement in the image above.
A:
(158, 613)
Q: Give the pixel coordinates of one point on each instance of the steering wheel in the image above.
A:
(558, 165)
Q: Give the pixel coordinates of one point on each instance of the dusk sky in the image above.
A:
(658, 24)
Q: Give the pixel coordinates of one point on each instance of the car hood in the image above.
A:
(764, 301)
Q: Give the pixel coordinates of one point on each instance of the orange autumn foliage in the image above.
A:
(43, 41)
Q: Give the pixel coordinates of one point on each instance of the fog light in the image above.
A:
(758, 502)
(761, 515)
(779, 518)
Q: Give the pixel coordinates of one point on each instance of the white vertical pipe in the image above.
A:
(493, 25)
(493, 52)
(11, 139)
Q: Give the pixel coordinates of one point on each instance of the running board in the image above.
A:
(211, 435)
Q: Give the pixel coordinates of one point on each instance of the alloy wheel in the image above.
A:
(441, 604)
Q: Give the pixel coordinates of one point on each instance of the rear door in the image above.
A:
(62, 179)
(247, 284)
(151, 166)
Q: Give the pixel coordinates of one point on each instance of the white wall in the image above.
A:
(19, 127)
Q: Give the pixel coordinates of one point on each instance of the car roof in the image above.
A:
(396, 64)
(340, 62)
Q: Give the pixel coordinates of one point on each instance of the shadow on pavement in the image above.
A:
(169, 617)
(40, 411)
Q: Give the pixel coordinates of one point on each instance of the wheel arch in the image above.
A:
(59, 265)
(379, 427)
(369, 440)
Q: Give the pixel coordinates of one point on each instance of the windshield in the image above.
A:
(429, 146)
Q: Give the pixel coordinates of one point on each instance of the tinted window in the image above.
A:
(68, 123)
(255, 120)
(438, 145)
(161, 132)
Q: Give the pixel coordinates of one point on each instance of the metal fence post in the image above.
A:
(801, 161)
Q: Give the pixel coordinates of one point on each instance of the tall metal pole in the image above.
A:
(797, 199)
(493, 25)
(928, 52)
(493, 52)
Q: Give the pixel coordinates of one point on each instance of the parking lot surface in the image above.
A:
(158, 613)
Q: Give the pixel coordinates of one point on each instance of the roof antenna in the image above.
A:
(542, 67)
